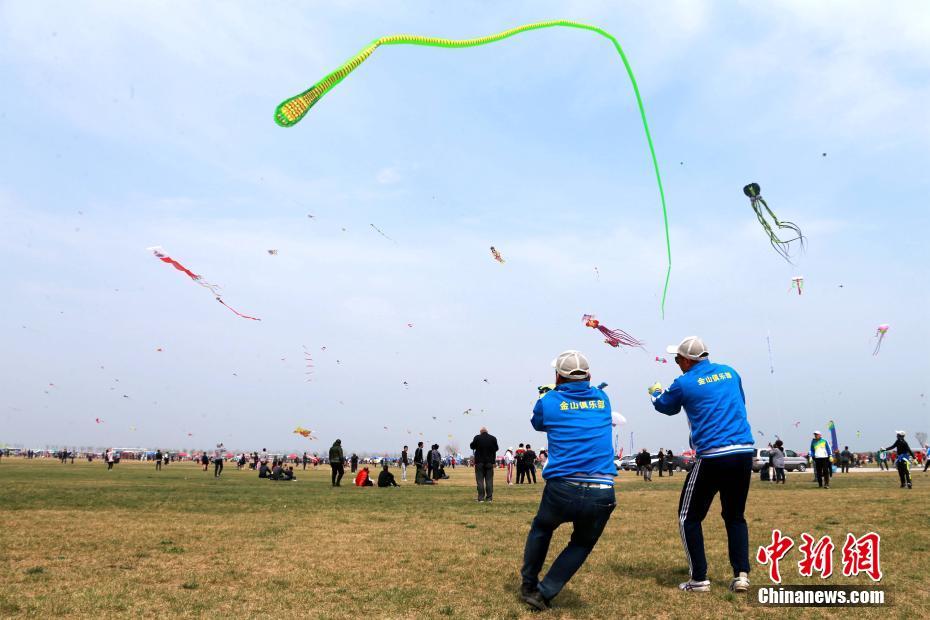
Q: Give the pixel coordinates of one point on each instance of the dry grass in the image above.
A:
(78, 541)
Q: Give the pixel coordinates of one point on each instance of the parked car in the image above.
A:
(627, 463)
(793, 461)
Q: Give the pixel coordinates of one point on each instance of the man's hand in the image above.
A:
(655, 390)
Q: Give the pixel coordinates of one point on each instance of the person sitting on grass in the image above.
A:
(363, 478)
(263, 471)
(422, 475)
(386, 478)
(277, 471)
(289, 474)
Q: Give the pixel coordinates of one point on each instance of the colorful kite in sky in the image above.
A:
(98, 420)
(880, 332)
(304, 432)
(614, 337)
(783, 247)
(292, 110)
(661, 360)
(160, 255)
(797, 283)
(497, 255)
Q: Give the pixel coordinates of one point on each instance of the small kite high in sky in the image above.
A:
(213, 288)
(290, 111)
(381, 232)
(797, 283)
(880, 332)
(783, 247)
(661, 360)
(497, 255)
(614, 337)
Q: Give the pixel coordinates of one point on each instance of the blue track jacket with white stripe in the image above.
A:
(576, 417)
(713, 399)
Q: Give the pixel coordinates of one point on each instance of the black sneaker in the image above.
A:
(536, 600)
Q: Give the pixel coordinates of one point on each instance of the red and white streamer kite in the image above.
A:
(159, 253)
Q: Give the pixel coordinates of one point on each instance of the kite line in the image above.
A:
(292, 110)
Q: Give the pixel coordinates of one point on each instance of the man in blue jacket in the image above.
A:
(579, 477)
(712, 397)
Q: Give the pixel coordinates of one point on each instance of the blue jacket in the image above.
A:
(576, 417)
(713, 399)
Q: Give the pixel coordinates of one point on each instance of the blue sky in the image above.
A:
(131, 125)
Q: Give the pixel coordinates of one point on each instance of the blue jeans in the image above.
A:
(588, 509)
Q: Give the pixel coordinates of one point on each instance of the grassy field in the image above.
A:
(79, 541)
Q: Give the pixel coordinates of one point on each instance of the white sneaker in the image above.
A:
(695, 586)
(740, 584)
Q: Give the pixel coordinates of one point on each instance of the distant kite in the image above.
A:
(304, 432)
(614, 337)
(381, 232)
(661, 360)
(160, 255)
(880, 332)
(497, 255)
(797, 283)
(783, 247)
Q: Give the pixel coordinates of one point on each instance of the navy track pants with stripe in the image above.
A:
(728, 475)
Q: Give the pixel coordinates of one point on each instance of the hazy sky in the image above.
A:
(128, 125)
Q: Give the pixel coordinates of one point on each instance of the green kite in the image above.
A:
(292, 110)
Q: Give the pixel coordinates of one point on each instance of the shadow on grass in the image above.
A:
(661, 575)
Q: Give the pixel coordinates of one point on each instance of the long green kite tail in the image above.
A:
(292, 110)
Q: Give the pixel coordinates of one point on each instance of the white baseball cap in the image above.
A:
(818, 433)
(691, 348)
(571, 365)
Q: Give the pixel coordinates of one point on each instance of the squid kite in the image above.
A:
(213, 288)
(292, 110)
(797, 283)
(614, 337)
(880, 332)
(497, 255)
(783, 247)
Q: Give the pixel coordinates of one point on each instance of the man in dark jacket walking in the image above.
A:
(336, 459)
(354, 462)
(485, 446)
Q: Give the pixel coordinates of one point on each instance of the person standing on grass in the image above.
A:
(354, 462)
(336, 459)
(485, 446)
(845, 458)
(158, 458)
(218, 460)
(670, 462)
(521, 466)
(305, 459)
(529, 464)
(902, 453)
(508, 463)
(820, 452)
(418, 455)
(579, 477)
(883, 460)
(713, 399)
(404, 461)
(778, 460)
(111, 458)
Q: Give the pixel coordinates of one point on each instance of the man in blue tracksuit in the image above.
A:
(712, 397)
(579, 477)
